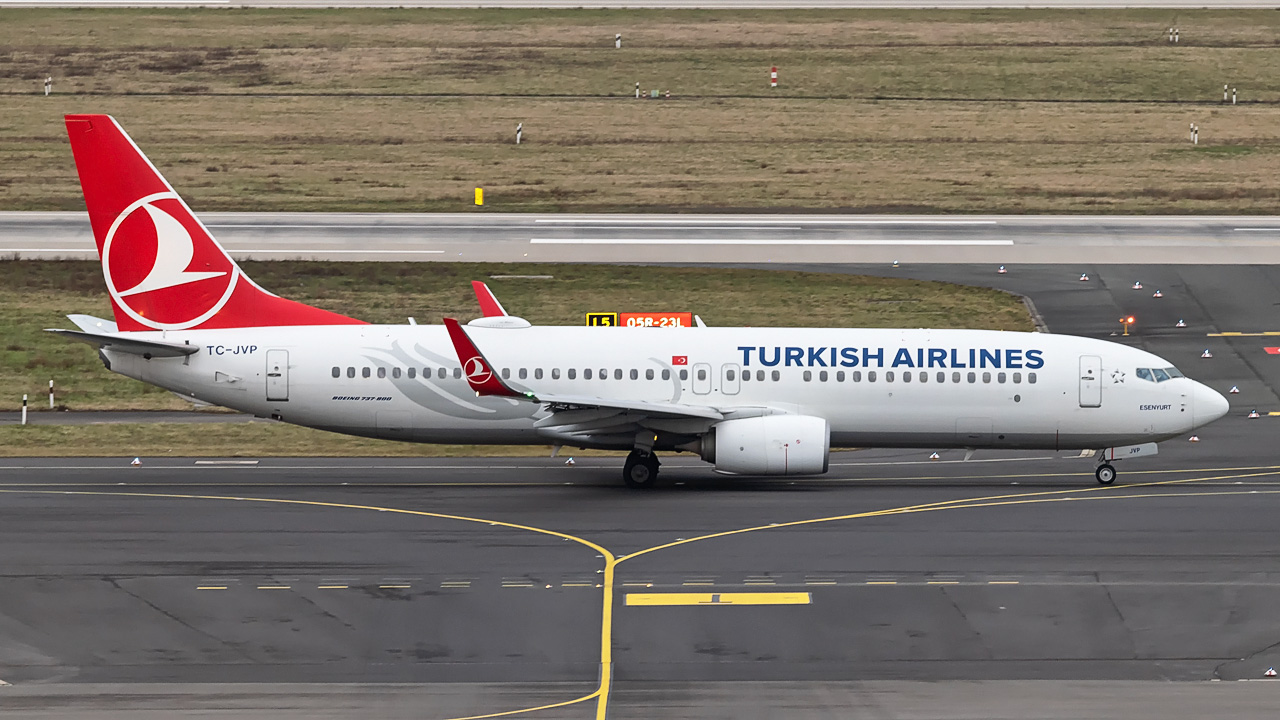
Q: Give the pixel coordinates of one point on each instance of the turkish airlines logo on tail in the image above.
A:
(150, 260)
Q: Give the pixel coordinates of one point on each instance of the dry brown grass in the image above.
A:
(263, 110)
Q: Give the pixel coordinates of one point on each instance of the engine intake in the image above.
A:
(769, 445)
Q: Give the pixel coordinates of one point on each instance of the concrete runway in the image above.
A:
(703, 239)
(625, 4)
(1011, 586)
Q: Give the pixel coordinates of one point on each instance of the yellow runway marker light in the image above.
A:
(669, 599)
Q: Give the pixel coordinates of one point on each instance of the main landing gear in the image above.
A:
(1106, 473)
(640, 470)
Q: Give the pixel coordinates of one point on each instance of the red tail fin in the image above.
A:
(163, 268)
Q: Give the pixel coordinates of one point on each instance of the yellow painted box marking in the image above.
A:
(760, 598)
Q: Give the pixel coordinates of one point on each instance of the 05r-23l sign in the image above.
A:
(637, 319)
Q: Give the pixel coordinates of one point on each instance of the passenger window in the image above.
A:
(382, 372)
(684, 374)
(337, 371)
(648, 374)
(604, 373)
(1161, 375)
(760, 375)
(871, 376)
(1031, 378)
(822, 375)
(1017, 378)
(729, 375)
(635, 374)
(523, 374)
(506, 373)
(986, 377)
(973, 377)
(666, 374)
(955, 377)
(441, 373)
(888, 376)
(555, 373)
(856, 376)
(573, 373)
(808, 375)
(364, 372)
(617, 374)
(395, 372)
(537, 373)
(1145, 374)
(942, 377)
(776, 376)
(839, 376)
(924, 376)
(586, 374)
(1000, 378)
(413, 372)
(457, 373)
(906, 376)
(746, 374)
(351, 372)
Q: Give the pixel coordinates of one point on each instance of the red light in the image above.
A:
(1129, 319)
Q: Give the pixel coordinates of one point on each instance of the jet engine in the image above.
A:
(769, 445)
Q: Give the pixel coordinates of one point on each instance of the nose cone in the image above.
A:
(1207, 405)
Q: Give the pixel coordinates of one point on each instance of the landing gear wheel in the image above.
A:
(640, 470)
(1105, 473)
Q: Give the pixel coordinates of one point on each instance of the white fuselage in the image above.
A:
(966, 388)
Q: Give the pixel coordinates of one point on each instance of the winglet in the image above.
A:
(479, 373)
(489, 304)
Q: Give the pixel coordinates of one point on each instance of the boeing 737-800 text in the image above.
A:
(753, 401)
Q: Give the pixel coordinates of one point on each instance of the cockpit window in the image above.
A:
(1158, 374)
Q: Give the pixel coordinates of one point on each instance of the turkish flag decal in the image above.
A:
(679, 359)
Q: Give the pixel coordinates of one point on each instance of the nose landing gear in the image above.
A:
(640, 470)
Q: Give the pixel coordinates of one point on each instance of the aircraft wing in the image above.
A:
(484, 380)
(123, 343)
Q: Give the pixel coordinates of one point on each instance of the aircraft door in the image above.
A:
(729, 378)
(701, 378)
(278, 375)
(1090, 381)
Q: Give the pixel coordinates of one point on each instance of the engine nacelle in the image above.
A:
(769, 445)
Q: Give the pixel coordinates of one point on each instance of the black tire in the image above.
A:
(1106, 474)
(640, 471)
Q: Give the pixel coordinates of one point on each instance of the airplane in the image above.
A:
(750, 401)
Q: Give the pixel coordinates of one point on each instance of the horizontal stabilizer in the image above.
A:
(125, 344)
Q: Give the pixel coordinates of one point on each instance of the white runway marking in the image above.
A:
(1256, 229)
(750, 221)
(741, 241)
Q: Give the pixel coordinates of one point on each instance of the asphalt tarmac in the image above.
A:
(1011, 585)
(703, 239)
